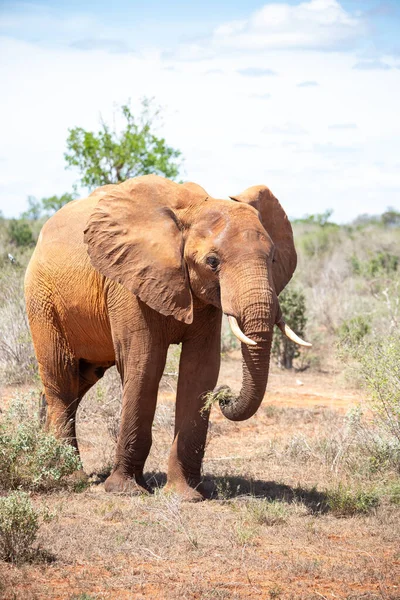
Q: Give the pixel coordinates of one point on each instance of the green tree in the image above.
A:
(54, 203)
(391, 218)
(111, 156)
(293, 306)
(34, 211)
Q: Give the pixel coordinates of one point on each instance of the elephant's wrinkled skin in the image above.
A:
(119, 276)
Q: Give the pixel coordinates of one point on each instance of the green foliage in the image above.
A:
(344, 502)
(20, 233)
(34, 211)
(293, 305)
(353, 331)
(391, 218)
(46, 206)
(378, 366)
(54, 203)
(320, 241)
(382, 263)
(321, 219)
(30, 457)
(366, 220)
(267, 512)
(19, 524)
(109, 156)
(394, 493)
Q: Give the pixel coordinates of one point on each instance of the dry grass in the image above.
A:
(274, 531)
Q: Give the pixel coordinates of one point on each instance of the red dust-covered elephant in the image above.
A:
(119, 276)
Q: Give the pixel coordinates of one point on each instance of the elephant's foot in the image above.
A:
(203, 491)
(121, 484)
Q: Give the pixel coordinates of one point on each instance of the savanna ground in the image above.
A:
(308, 490)
(300, 512)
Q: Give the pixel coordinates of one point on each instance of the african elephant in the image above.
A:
(119, 276)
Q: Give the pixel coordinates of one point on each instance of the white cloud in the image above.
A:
(322, 24)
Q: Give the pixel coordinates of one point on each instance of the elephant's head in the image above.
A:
(168, 242)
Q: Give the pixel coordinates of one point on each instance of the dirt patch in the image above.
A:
(270, 533)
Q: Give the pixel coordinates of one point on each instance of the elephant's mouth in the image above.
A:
(237, 332)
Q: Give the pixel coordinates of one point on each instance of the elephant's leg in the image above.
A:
(65, 385)
(198, 373)
(61, 397)
(141, 369)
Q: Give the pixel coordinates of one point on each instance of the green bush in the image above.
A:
(382, 263)
(377, 365)
(293, 306)
(20, 233)
(344, 502)
(30, 457)
(353, 331)
(320, 240)
(19, 523)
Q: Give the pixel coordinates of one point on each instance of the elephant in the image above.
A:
(118, 276)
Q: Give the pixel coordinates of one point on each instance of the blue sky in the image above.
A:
(300, 95)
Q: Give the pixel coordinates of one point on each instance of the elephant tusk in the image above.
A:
(291, 334)
(234, 325)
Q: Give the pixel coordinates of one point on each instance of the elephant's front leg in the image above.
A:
(198, 373)
(141, 372)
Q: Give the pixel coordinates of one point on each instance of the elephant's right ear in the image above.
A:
(134, 238)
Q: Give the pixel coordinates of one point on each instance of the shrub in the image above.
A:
(20, 233)
(344, 502)
(382, 263)
(30, 457)
(377, 365)
(320, 241)
(353, 331)
(19, 523)
(293, 306)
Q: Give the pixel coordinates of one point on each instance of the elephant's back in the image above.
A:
(61, 280)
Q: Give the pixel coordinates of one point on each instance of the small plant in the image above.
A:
(19, 524)
(293, 305)
(267, 512)
(394, 493)
(275, 592)
(30, 457)
(344, 502)
(244, 533)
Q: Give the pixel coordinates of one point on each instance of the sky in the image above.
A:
(300, 95)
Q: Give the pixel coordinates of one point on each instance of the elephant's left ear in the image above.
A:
(277, 224)
(134, 238)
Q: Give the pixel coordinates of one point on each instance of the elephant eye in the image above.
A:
(213, 262)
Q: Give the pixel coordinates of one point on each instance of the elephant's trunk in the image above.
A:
(257, 312)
